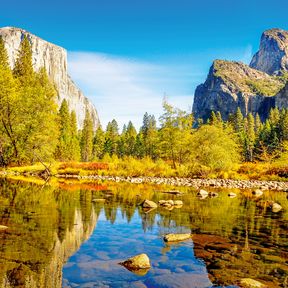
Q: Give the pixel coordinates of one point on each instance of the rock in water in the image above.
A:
(149, 204)
(140, 261)
(202, 193)
(178, 203)
(232, 195)
(54, 59)
(99, 200)
(176, 237)
(251, 283)
(257, 192)
(276, 207)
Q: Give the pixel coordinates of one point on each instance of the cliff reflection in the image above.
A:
(46, 226)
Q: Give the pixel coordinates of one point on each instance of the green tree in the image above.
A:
(150, 136)
(4, 63)
(111, 138)
(98, 144)
(74, 139)
(63, 147)
(213, 149)
(87, 138)
(23, 69)
(175, 133)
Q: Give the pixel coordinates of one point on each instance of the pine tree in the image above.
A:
(63, 152)
(250, 137)
(23, 69)
(87, 138)
(98, 144)
(111, 138)
(4, 63)
(74, 139)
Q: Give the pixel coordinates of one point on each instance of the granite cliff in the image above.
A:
(54, 59)
(256, 88)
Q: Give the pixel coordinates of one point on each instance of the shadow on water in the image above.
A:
(232, 238)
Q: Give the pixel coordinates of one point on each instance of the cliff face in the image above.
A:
(254, 89)
(54, 59)
(230, 85)
(272, 56)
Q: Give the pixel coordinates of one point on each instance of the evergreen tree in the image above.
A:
(87, 138)
(63, 152)
(23, 69)
(98, 144)
(74, 139)
(111, 138)
(150, 136)
(250, 138)
(4, 64)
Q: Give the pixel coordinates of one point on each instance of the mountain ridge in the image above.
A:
(54, 59)
(254, 88)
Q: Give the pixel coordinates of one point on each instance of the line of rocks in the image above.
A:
(190, 182)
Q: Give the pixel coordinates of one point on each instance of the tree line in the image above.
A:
(33, 129)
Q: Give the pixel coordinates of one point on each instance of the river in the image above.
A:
(59, 235)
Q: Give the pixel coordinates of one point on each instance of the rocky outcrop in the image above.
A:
(54, 59)
(140, 261)
(256, 88)
(272, 56)
(230, 85)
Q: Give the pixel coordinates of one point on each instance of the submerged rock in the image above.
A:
(257, 192)
(213, 194)
(202, 193)
(276, 207)
(176, 237)
(149, 204)
(232, 195)
(99, 200)
(137, 262)
(251, 283)
(178, 203)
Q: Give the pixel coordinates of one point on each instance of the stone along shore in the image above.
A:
(190, 182)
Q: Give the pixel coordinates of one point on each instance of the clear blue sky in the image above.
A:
(147, 48)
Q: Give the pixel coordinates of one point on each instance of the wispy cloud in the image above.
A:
(126, 88)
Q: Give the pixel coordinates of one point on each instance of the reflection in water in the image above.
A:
(46, 226)
(232, 238)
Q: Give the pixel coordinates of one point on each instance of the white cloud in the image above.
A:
(125, 89)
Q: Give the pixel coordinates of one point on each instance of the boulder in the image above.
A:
(276, 207)
(99, 200)
(3, 227)
(149, 204)
(213, 194)
(176, 237)
(251, 283)
(161, 202)
(232, 195)
(178, 203)
(202, 193)
(140, 261)
(257, 192)
(171, 202)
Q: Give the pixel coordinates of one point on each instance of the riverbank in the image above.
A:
(172, 181)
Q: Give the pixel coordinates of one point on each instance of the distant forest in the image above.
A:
(33, 129)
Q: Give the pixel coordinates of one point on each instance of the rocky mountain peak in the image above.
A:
(272, 56)
(232, 84)
(54, 59)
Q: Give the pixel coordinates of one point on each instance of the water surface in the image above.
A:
(58, 236)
